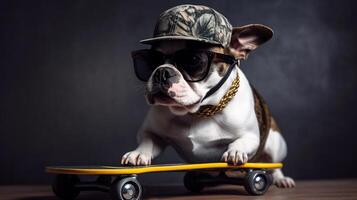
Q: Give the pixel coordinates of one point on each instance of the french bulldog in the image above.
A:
(180, 71)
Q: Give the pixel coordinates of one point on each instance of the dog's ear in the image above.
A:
(247, 38)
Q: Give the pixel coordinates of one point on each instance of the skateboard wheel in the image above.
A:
(257, 182)
(192, 183)
(64, 186)
(127, 188)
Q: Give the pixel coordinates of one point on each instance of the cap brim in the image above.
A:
(161, 38)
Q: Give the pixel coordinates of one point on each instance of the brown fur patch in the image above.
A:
(222, 67)
(274, 126)
(264, 120)
(231, 52)
(263, 157)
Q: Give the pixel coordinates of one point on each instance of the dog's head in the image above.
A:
(180, 70)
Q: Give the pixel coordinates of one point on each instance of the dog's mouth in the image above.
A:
(161, 98)
(173, 92)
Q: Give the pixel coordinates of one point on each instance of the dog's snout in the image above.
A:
(165, 75)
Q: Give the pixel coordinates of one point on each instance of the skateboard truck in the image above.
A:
(255, 182)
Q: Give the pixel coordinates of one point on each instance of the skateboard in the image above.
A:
(123, 184)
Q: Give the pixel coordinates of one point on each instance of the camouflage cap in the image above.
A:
(192, 22)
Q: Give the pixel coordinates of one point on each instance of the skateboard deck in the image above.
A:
(126, 170)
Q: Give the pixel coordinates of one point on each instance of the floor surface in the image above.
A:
(326, 189)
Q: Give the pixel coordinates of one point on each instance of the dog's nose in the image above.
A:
(165, 75)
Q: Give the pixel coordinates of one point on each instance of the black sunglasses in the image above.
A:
(193, 64)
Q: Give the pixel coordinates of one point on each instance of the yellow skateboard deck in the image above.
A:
(125, 170)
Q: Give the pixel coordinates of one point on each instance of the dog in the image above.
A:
(202, 103)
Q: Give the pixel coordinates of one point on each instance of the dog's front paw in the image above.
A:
(235, 157)
(136, 158)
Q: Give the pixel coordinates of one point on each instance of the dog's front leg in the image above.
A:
(149, 147)
(239, 151)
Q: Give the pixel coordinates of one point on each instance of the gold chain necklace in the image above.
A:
(210, 110)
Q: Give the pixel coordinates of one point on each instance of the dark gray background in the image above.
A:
(68, 94)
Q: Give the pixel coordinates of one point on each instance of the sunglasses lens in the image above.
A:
(145, 62)
(193, 65)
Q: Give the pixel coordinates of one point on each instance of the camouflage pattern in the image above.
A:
(192, 22)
